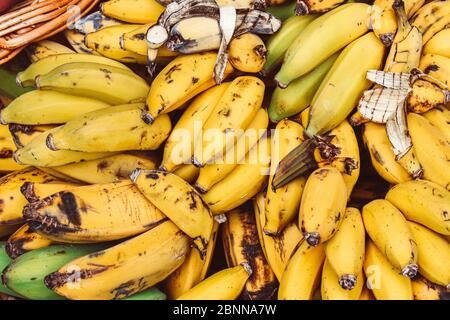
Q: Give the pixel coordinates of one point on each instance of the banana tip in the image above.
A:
(418, 174)
(200, 188)
(37, 82)
(347, 281)
(16, 157)
(410, 271)
(2, 121)
(135, 174)
(270, 233)
(50, 142)
(301, 8)
(147, 118)
(281, 84)
(247, 268)
(18, 81)
(387, 39)
(313, 238)
(196, 162)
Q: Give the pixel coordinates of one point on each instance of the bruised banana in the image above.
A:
(244, 182)
(132, 11)
(27, 77)
(283, 203)
(232, 114)
(223, 285)
(47, 107)
(241, 245)
(330, 288)
(437, 66)
(44, 48)
(179, 201)
(24, 134)
(320, 217)
(278, 249)
(94, 22)
(193, 270)
(434, 254)
(187, 172)
(345, 251)
(76, 40)
(302, 274)
(440, 118)
(120, 271)
(125, 131)
(109, 84)
(425, 96)
(432, 18)
(439, 44)
(35, 191)
(25, 240)
(424, 202)
(306, 7)
(424, 289)
(181, 80)
(7, 147)
(247, 53)
(94, 213)
(322, 38)
(382, 278)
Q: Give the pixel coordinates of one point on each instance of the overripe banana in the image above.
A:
(44, 48)
(424, 289)
(76, 40)
(425, 96)
(330, 288)
(436, 66)
(35, 191)
(439, 44)
(94, 22)
(7, 147)
(247, 53)
(306, 7)
(25, 240)
(432, 18)
(440, 118)
(133, 11)
(23, 134)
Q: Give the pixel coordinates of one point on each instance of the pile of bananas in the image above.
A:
(320, 155)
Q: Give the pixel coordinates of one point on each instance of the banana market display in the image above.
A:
(229, 149)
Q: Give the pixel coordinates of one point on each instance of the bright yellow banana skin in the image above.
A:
(187, 172)
(424, 289)
(76, 40)
(24, 240)
(331, 290)
(432, 18)
(129, 267)
(436, 66)
(7, 148)
(44, 48)
(247, 53)
(440, 118)
(439, 44)
(132, 11)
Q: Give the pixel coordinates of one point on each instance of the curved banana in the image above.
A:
(25, 240)
(44, 48)
(424, 289)
(187, 172)
(436, 66)
(179, 201)
(439, 44)
(389, 231)
(23, 134)
(426, 96)
(440, 118)
(76, 40)
(282, 204)
(432, 18)
(383, 279)
(330, 288)
(7, 147)
(320, 217)
(35, 191)
(247, 53)
(132, 11)
(345, 251)
(120, 271)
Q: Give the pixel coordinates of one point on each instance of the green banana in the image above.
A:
(5, 260)
(283, 12)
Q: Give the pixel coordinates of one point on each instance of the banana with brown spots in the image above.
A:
(24, 240)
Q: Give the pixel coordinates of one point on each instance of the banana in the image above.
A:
(179, 201)
(241, 245)
(244, 4)
(232, 114)
(132, 11)
(434, 254)
(432, 18)
(34, 191)
(36, 153)
(186, 131)
(277, 250)
(383, 279)
(426, 96)
(424, 289)
(120, 271)
(384, 20)
(439, 44)
(44, 48)
(320, 217)
(5, 260)
(47, 107)
(389, 231)
(149, 294)
(181, 80)
(302, 274)
(424, 202)
(382, 157)
(76, 40)
(211, 174)
(193, 270)
(432, 149)
(436, 66)
(27, 77)
(279, 43)
(94, 22)
(125, 131)
(7, 147)
(94, 213)
(440, 118)
(247, 53)
(343, 85)
(345, 251)
(322, 38)
(188, 172)
(134, 40)
(282, 12)
(306, 7)
(223, 285)
(244, 182)
(25, 240)
(93, 80)
(298, 96)
(282, 204)
(23, 135)
(25, 275)
(11, 199)
(330, 288)
(107, 42)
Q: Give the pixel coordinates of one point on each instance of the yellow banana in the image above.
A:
(187, 130)
(179, 201)
(432, 18)
(35, 191)
(244, 182)
(44, 48)
(439, 44)
(302, 274)
(95, 213)
(247, 53)
(94, 22)
(23, 135)
(316, 6)
(320, 217)
(7, 147)
(436, 66)
(193, 270)
(181, 80)
(345, 251)
(76, 40)
(98, 81)
(132, 11)
(282, 204)
(47, 107)
(187, 172)
(129, 267)
(223, 285)
(323, 37)
(383, 279)
(433, 151)
(440, 118)
(426, 96)
(424, 289)
(279, 249)
(24, 240)
(241, 245)
(424, 202)
(134, 40)
(434, 254)
(330, 288)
